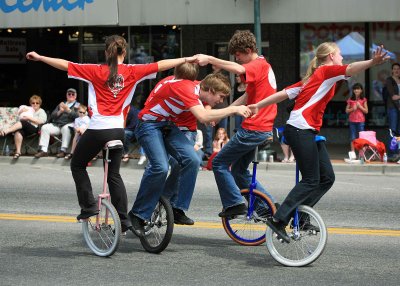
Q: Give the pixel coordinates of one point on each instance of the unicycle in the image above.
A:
(158, 231)
(249, 229)
(306, 243)
(102, 232)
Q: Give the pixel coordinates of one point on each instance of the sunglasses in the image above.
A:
(35, 103)
(71, 93)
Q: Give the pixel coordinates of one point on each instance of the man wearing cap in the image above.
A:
(61, 119)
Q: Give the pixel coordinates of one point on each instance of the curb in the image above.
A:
(376, 168)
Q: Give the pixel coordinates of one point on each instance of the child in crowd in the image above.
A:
(220, 140)
(356, 108)
(81, 123)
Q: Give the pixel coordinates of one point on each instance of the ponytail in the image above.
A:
(311, 68)
(115, 46)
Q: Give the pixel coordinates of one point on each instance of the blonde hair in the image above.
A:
(35, 97)
(321, 52)
(226, 138)
(84, 107)
(186, 71)
(216, 82)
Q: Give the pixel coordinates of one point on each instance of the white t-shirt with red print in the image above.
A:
(312, 96)
(107, 106)
(261, 83)
(169, 99)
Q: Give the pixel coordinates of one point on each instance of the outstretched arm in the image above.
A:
(273, 98)
(205, 116)
(54, 62)
(225, 65)
(171, 63)
(379, 57)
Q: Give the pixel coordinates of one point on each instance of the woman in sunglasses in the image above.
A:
(30, 117)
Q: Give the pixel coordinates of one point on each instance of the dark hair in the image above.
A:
(115, 46)
(356, 86)
(395, 64)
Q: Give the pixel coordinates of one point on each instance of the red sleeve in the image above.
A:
(143, 70)
(334, 71)
(82, 71)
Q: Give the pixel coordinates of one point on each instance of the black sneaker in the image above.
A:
(86, 215)
(181, 218)
(306, 225)
(234, 211)
(279, 229)
(137, 225)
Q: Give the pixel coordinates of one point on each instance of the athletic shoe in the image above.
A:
(234, 211)
(181, 218)
(279, 228)
(142, 159)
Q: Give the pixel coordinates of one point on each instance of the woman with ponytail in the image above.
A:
(111, 88)
(311, 96)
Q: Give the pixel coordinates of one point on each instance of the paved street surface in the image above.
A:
(40, 244)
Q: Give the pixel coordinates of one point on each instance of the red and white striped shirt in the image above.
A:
(169, 99)
(107, 105)
(313, 96)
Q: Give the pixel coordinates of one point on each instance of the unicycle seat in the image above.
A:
(114, 144)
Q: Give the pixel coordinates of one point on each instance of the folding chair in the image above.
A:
(368, 147)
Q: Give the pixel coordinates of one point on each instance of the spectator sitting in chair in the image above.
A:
(81, 123)
(61, 119)
(28, 123)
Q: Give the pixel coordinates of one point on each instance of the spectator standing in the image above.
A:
(238, 90)
(220, 140)
(392, 96)
(356, 108)
(61, 120)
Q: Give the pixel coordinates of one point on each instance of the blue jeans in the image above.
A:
(393, 119)
(129, 136)
(237, 153)
(157, 147)
(180, 197)
(355, 128)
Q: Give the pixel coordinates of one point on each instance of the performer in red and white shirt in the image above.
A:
(311, 96)
(111, 87)
(230, 166)
(160, 137)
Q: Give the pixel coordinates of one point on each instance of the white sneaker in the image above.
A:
(142, 159)
(398, 162)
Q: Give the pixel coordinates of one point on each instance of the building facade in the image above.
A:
(160, 29)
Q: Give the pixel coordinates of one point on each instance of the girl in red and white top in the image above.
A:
(356, 108)
(311, 95)
(111, 88)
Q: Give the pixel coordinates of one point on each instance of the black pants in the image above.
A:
(89, 145)
(315, 168)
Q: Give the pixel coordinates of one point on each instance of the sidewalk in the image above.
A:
(337, 153)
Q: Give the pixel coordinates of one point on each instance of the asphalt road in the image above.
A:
(40, 244)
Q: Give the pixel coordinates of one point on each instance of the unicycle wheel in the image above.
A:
(250, 230)
(306, 243)
(158, 231)
(103, 239)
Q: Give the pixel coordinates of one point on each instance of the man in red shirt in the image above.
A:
(160, 137)
(257, 73)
